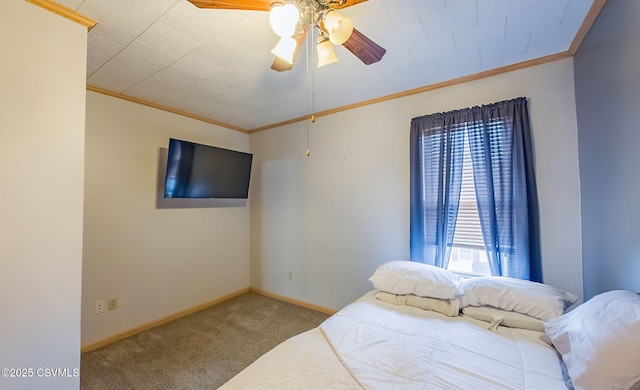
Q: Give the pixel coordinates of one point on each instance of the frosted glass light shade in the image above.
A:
(283, 19)
(339, 27)
(284, 49)
(326, 55)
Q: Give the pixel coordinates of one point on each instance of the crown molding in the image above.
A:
(426, 88)
(65, 12)
(593, 13)
(164, 108)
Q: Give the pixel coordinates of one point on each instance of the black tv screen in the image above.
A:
(201, 171)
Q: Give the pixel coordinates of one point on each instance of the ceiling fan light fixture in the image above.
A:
(285, 49)
(339, 27)
(283, 18)
(326, 54)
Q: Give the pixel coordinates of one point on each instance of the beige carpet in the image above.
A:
(200, 351)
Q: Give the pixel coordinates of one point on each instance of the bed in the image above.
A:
(385, 341)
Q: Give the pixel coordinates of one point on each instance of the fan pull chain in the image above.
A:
(313, 103)
(310, 81)
(308, 153)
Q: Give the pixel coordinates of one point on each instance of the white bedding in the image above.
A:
(305, 361)
(375, 345)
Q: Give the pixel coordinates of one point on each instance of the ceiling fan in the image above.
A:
(293, 19)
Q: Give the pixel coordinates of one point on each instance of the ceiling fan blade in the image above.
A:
(251, 5)
(347, 3)
(364, 48)
(281, 65)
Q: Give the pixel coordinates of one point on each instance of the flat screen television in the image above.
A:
(202, 171)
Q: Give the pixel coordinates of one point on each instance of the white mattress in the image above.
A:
(375, 345)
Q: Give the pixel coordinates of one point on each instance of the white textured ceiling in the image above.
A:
(216, 63)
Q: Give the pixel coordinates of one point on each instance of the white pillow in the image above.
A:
(448, 307)
(423, 280)
(533, 299)
(600, 341)
(391, 298)
(510, 319)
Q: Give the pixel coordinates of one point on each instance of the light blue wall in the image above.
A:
(607, 80)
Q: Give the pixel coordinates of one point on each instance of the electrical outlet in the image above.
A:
(290, 275)
(113, 303)
(101, 306)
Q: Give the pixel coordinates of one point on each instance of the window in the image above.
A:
(473, 192)
(467, 254)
